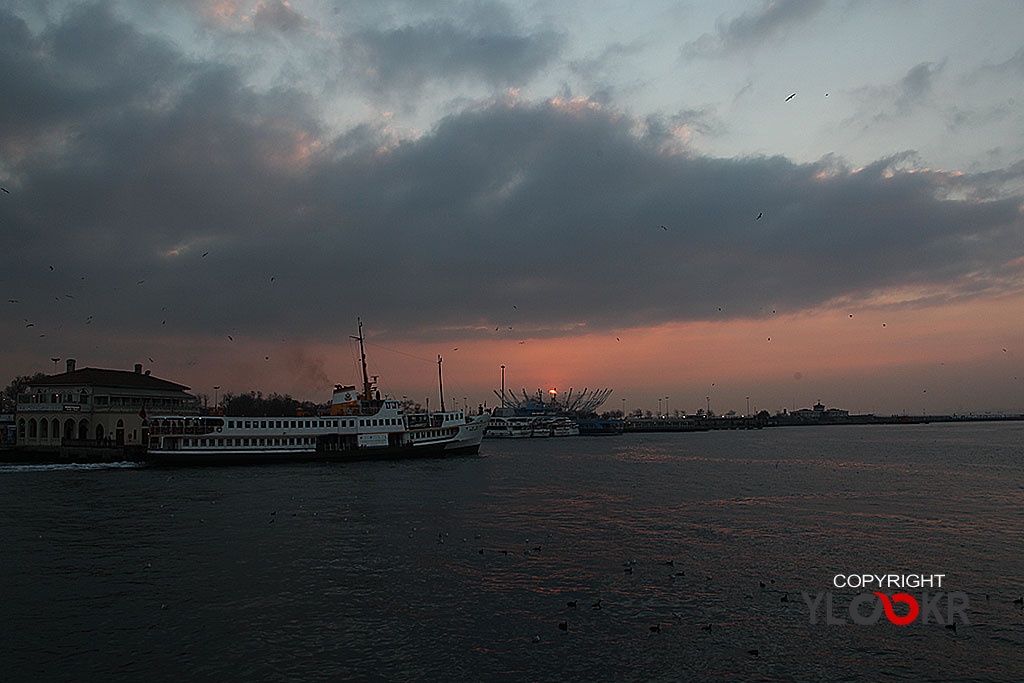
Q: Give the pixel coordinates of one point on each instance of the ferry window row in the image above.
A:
(433, 433)
(311, 424)
(380, 422)
(288, 424)
(269, 441)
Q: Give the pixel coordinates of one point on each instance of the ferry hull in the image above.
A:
(255, 457)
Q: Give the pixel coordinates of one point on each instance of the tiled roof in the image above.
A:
(110, 378)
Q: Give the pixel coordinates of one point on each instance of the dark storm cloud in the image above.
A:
(81, 70)
(404, 58)
(274, 15)
(752, 29)
(125, 153)
(199, 205)
(485, 15)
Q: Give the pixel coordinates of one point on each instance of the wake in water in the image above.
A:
(72, 466)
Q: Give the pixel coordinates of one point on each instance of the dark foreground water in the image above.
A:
(374, 571)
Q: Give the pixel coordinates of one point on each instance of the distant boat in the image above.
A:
(564, 426)
(361, 425)
(506, 425)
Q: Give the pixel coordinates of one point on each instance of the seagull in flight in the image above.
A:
(791, 97)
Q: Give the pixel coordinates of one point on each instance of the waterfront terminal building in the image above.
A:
(95, 408)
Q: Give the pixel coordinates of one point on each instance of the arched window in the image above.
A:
(44, 429)
(99, 432)
(55, 429)
(32, 428)
(83, 429)
(69, 429)
(21, 428)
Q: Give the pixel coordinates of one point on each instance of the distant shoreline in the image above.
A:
(701, 424)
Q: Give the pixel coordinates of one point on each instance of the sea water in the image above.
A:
(687, 557)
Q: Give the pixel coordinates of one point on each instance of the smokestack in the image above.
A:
(71, 364)
(138, 368)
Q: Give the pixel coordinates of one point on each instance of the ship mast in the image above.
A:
(440, 387)
(367, 386)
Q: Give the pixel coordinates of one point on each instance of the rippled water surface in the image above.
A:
(463, 568)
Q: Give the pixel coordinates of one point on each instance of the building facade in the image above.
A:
(96, 407)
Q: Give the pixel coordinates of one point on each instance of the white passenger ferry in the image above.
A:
(362, 425)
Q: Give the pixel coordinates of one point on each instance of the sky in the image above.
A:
(684, 202)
